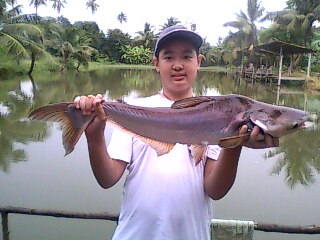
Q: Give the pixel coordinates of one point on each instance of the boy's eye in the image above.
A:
(187, 57)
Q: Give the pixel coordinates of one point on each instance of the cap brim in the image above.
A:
(194, 38)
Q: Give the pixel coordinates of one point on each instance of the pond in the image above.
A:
(279, 185)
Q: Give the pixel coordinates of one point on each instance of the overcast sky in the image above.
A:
(209, 16)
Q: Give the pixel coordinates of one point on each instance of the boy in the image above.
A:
(165, 197)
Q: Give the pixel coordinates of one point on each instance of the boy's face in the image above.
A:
(177, 64)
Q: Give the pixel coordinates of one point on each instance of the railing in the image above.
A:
(265, 227)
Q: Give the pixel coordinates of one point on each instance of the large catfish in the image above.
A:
(196, 121)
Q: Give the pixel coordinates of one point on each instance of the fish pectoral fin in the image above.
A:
(190, 102)
(234, 141)
(198, 153)
(160, 147)
(259, 123)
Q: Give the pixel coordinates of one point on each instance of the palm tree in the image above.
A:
(37, 3)
(171, 21)
(246, 23)
(246, 35)
(122, 18)
(297, 19)
(69, 42)
(147, 35)
(58, 4)
(18, 37)
(92, 5)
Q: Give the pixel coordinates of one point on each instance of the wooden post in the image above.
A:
(291, 66)
(309, 64)
(280, 66)
(278, 95)
(5, 225)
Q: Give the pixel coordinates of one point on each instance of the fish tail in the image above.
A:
(72, 121)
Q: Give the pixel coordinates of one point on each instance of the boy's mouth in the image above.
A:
(178, 77)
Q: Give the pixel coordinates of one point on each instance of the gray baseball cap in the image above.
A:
(177, 31)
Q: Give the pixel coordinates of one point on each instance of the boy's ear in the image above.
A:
(200, 57)
(156, 64)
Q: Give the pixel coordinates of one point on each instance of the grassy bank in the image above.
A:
(97, 66)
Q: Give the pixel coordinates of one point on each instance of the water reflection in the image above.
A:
(298, 155)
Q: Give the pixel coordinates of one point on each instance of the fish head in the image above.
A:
(279, 121)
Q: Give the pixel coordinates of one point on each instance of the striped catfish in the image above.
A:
(196, 121)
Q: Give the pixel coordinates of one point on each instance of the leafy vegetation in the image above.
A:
(74, 46)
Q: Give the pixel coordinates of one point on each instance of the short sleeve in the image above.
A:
(213, 151)
(120, 145)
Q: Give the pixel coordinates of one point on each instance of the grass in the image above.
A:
(97, 66)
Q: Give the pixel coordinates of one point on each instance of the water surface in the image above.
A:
(279, 185)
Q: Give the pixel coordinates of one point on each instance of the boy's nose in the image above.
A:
(177, 66)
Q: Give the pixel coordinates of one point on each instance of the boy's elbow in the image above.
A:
(106, 186)
(215, 194)
(216, 197)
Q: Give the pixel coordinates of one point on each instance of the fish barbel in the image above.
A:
(196, 121)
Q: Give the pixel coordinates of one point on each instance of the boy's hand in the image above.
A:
(254, 140)
(87, 105)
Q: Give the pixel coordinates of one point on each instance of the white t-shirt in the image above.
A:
(164, 196)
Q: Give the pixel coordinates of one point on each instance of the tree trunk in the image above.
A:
(33, 60)
(64, 64)
(78, 66)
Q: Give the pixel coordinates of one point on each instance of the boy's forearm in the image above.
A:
(220, 175)
(106, 170)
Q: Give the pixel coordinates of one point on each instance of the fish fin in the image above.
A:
(198, 153)
(259, 123)
(190, 102)
(160, 147)
(234, 141)
(59, 113)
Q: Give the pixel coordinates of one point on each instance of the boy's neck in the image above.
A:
(175, 97)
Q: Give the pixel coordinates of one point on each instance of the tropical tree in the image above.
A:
(58, 4)
(90, 33)
(92, 5)
(147, 36)
(18, 36)
(171, 21)
(71, 45)
(246, 25)
(37, 4)
(113, 45)
(122, 18)
(298, 19)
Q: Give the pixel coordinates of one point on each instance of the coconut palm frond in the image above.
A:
(24, 29)
(13, 46)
